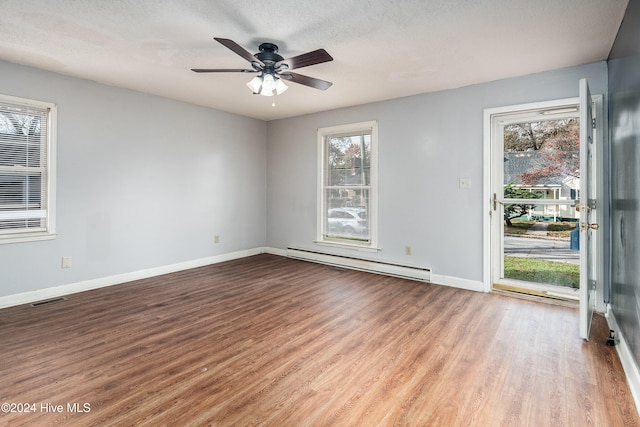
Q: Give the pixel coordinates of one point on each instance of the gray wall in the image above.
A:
(426, 144)
(624, 126)
(143, 182)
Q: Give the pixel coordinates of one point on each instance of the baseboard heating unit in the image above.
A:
(370, 265)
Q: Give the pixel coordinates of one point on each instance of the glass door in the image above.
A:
(536, 185)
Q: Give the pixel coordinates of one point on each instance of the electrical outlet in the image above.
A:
(407, 250)
(465, 182)
(216, 239)
(66, 261)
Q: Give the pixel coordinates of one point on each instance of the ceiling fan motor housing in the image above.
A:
(269, 56)
(268, 53)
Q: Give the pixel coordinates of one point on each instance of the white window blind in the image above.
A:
(26, 142)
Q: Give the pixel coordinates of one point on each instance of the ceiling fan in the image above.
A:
(273, 68)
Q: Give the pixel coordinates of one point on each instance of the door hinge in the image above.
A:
(593, 123)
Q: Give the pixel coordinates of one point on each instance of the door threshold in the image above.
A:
(566, 298)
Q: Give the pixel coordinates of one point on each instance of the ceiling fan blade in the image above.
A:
(217, 70)
(235, 47)
(310, 58)
(307, 81)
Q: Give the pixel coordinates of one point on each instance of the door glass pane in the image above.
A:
(541, 240)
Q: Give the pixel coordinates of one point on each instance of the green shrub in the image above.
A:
(561, 226)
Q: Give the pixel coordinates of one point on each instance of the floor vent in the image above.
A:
(374, 266)
(49, 301)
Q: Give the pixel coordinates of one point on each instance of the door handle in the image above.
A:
(584, 226)
(496, 201)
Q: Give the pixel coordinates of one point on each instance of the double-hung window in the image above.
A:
(27, 178)
(348, 185)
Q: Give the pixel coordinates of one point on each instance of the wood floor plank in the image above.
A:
(271, 341)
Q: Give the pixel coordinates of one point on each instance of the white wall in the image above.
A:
(426, 144)
(143, 182)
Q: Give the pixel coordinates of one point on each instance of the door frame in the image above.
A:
(487, 154)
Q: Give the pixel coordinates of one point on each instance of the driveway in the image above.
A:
(546, 249)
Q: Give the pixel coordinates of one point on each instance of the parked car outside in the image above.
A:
(348, 221)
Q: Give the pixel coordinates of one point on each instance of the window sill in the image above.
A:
(353, 246)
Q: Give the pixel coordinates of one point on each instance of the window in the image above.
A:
(348, 185)
(27, 179)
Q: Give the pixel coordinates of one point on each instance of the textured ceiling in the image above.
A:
(382, 49)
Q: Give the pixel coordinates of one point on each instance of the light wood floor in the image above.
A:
(271, 341)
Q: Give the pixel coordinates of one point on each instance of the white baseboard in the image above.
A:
(275, 251)
(86, 285)
(626, 358)
(457, 282)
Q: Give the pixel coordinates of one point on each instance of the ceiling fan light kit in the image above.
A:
(266, 84)
(273, 68)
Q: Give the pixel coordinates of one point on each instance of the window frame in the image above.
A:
(324, 133)
(49, 146)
